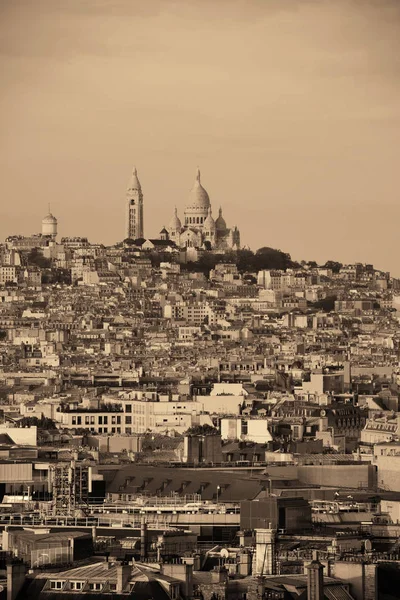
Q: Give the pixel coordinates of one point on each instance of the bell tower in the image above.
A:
(134, 208)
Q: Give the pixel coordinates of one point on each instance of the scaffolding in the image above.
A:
(71, 486)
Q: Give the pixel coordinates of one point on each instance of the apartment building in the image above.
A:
(136, 416)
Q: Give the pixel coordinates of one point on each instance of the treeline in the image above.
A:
(245, 260)
(42, 423)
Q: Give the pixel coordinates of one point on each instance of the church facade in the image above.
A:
(199, 228)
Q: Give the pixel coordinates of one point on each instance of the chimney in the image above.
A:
(182, 571)
(264, 556)
(123, 575)
(219, 575)
(143, 540)
(315, 579)
(6, 538)
(15, 579)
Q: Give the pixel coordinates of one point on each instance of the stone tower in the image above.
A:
(134, 208)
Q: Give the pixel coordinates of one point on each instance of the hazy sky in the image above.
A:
(291, 108)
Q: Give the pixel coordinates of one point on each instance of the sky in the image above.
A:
(291, 109)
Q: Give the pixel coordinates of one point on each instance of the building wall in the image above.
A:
(392, 508)
(361, 577)
(15, 473)
(352, 476)
(388, 472)
(116, 443)
(289, 514)
(220, 404)
(251, 430)
(207, 449)
(24, 436)
(137, 416)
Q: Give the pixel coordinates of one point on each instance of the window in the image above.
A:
(105, 420)
(56, 585)
(128, 420)
(100, 420)
(95, 586)
(128, 408)
(76, 585)
(128, 430)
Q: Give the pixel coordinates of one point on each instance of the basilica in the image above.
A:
(200, 229)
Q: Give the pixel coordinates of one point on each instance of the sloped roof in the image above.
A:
(145, 583)
(5, 440)
(235, 486)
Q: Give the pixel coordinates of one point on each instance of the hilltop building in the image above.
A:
(25, 243)
(199, 229)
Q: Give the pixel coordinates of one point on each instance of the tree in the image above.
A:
(326, 304)
(42, 423)
(58, 275)
(269, 258)
(35, 258)
(202, 430)
(333, 265)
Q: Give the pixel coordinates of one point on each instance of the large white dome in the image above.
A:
(198, 197)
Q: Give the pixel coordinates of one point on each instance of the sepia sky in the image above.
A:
(291, 109)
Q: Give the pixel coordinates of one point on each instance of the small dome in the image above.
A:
(49, 219)
(209, 222)
(175, 222)
(220, 222)
(198, 197)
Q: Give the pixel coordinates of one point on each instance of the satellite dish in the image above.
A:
(224, 553)
(323, 413)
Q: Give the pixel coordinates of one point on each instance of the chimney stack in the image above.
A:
(315, 580)
(123, 575)
(143, 540)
